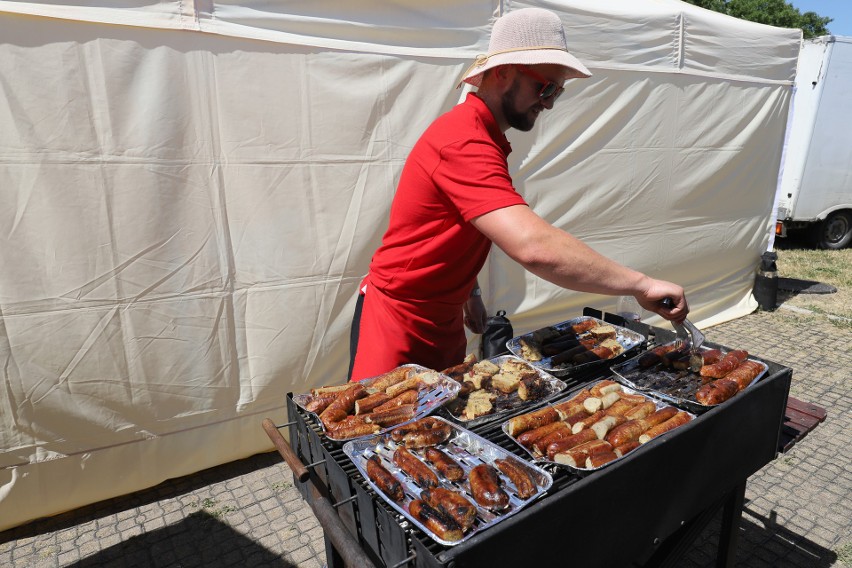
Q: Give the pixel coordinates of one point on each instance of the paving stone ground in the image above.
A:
(248, 513)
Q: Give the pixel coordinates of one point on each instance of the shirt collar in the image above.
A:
(489, 121)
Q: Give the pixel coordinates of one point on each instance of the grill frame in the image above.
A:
(633, 511)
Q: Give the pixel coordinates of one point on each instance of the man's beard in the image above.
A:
(523, 121)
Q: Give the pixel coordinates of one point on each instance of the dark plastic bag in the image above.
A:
(498, 330)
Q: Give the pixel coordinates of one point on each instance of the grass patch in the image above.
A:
(844, 554)
(208, 505)
(833, 267)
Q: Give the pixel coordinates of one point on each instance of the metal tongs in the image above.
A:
(688, 337)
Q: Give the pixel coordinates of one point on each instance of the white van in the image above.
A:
(815, 190)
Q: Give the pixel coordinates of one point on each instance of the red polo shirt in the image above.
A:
(431, 254)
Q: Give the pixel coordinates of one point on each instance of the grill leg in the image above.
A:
(332, 557)
(731, 515)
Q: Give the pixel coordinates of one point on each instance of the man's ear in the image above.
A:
(504, 73)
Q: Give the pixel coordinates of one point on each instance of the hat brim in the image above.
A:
(529, 57)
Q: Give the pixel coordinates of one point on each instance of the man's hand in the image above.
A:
(475, 315)
(657, 290)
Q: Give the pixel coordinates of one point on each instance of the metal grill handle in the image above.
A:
(299, 470)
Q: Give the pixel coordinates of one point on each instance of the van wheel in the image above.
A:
(835, 232)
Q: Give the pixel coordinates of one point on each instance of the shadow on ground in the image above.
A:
(198, 540)
(761, 541)
(169, 489)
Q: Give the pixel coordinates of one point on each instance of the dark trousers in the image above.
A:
(354, 333)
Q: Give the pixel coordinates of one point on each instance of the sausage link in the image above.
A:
(384, 480)
(445, 465)
(485, 487)
(520, 476)
(416, 469)
(451, 503)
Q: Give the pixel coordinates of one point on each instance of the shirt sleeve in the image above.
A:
(474, 175)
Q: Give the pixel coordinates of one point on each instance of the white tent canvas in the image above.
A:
(191, 193)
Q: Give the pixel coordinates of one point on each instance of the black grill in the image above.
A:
(632, 512)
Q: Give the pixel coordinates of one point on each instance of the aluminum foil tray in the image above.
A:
(429, 399)
(544, 461)
(628, 339)
(466, 448)
(676, 387)
(504, 403)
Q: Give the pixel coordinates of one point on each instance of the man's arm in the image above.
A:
(564, 260)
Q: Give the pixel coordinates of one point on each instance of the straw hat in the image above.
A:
(529, 36)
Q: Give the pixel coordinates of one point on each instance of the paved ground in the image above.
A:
(248, 513)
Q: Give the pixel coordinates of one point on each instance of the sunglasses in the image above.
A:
(547, 88)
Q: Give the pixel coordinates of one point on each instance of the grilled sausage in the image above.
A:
(330, 390)
(576, 456)
(626, 448)
(405, 397)
(643, 410)
(384, 480)
(528, 438)
(711, 356)
(678, 419)
(520, 476)
(584, 326)
(717, 392)
(599, 459)
(620, 407)
(660, 416)
(433, 432)
(599, 353)
(725, 365)
(402, 386)
(485, 487)
(393, 416)
(540, 446)
(319, 403)
(585, 435)
(369, 403)
(605, 424)
(632, 429)
(633, 398)
(572, 405)
(587, 421)
(344, 431)
(604, 387)
(398, 433)
(540, 417)
(416, 469)
(443, 525)
(655, 355)
(592, 404)
(343, 405)
(558, 345)
(627, 432)
(390, 378)
(451, 503)
(745, 373)
(571, 354)
(445, 465)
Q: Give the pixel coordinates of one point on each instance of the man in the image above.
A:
(455, 197)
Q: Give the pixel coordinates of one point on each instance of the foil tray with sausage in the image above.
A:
(446, 480)
(665, 373)
(376, 405)
(596, 426)
(495, 387)
(574, 345)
